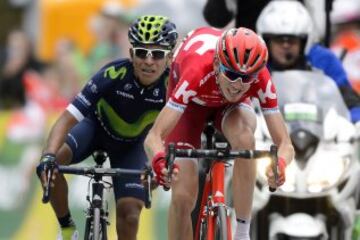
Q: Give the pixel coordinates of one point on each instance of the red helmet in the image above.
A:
(242, 50)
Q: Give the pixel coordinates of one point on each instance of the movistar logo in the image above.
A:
(120, 126)
(114, 74)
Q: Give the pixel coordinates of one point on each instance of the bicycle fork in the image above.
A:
(97, 214)
(214, 218)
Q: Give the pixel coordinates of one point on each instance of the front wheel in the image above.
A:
(220, 231)
(95, 226)
(87, 234)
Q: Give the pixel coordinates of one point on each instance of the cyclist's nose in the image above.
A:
(236, 84)
(149, 60)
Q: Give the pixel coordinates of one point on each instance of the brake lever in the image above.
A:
(46, 193)
(274, 157)
(148, 176)
(170, 156)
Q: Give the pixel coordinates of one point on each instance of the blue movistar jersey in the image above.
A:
(125, 108)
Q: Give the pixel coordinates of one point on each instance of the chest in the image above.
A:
(129, 97)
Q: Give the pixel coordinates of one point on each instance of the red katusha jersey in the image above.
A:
(193, 73)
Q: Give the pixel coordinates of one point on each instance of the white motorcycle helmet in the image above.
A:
(286, 17)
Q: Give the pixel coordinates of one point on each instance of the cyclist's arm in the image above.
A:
(59, 131)
(280, 136)
(164, 124)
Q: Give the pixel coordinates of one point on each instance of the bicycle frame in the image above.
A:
(96, 215)
(213, 197)
(214, 221)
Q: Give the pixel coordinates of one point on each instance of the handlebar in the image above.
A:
(92, 171)
(100, 172)
(221, 154)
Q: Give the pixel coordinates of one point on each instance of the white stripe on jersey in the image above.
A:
(176, 106)
(75, 112)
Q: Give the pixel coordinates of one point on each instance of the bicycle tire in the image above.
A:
(103, 229)
(88, 223)
(89, 234)
(96, 224)
(220, 226)
(203, 230)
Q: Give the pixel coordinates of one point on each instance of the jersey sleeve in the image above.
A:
(185, 90)
(266, 93)
(86, 100)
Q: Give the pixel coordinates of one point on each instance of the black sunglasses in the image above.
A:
(156, 54)
(233, 76)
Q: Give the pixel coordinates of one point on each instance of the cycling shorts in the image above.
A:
(88, 136)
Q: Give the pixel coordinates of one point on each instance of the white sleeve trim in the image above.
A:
(270, 110)
(177, 107)
(75, 112)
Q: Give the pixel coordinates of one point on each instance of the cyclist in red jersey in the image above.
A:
(213, 76)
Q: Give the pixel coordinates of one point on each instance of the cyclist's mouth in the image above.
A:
(148, 71)
(234, 91)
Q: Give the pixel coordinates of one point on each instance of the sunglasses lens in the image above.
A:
(158, 54)
(234, 76)
(231, 75)
(140, 53)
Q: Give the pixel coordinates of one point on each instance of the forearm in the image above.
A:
(280, 136)
(286, 151)
(59, 132)
(153, 144)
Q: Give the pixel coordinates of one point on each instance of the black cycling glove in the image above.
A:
(47, 162)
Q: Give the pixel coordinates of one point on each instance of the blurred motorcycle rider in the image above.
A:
(287, 29)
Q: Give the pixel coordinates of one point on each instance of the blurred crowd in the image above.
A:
(32, 89)
(25, 78)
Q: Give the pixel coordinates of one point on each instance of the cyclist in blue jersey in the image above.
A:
(113, 112)
(286, 27)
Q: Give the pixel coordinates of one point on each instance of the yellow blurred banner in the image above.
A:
(69, 19)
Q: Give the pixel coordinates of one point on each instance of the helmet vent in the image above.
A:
(246, 55)
(151, 19)
(236, 55)
(147, 36)
(256, 59)
(148, 26)
(227, 57)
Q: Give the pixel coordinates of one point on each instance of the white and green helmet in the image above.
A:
(153, 29)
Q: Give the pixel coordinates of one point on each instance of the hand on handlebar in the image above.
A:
(46, 168)
(281, 174)
(161, 171)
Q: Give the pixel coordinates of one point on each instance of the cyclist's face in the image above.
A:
(285, 50)
(149, 62)
(231, 90)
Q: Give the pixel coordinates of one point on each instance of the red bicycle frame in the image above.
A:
(213, 197)
(214, 222)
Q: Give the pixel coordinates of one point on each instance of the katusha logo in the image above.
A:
(186, 94)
